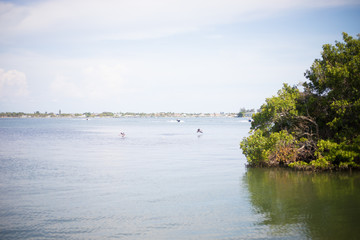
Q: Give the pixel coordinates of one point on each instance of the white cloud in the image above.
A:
(137, 19)
(13, 84)
(96, 82)
(64, 87)
(103, 81)
(55, 43)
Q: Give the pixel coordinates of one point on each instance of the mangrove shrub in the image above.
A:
(318, 127)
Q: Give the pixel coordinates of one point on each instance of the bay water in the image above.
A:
(80, 179)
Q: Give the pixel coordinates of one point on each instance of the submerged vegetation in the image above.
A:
(317, 127)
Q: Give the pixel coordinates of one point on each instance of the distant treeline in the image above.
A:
(38, 114)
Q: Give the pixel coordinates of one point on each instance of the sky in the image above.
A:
(162, 55)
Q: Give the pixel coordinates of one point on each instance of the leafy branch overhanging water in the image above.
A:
(317, 127)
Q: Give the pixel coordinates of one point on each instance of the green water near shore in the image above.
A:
(314, 205)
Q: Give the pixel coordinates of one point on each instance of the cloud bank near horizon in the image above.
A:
(164, 55)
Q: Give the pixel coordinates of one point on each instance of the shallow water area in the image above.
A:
(80, 179)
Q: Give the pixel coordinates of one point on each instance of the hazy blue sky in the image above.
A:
(161, 55)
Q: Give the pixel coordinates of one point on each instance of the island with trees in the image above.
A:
(315, 125)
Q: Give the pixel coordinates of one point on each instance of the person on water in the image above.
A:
(199, 130)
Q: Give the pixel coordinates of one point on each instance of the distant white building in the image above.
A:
(248, 114)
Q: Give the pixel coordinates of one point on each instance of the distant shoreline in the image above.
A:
(112, 115)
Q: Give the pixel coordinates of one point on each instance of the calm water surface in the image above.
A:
(78, 179)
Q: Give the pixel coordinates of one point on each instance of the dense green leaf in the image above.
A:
(318, 128)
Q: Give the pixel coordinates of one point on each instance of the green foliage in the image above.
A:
(335, 87)
(277, 111)
(284, 149)
(254, 148)
(318, 128)
(320, 163)
(106, 114)
(87, 114)
(12, 114)
(265, 151)
(300, 165)
(345, 153)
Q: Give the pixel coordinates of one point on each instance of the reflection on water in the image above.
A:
(75, 179)
(306, 205)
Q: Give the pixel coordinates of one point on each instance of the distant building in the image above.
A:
(248, 114)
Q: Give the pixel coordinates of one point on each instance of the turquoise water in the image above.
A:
(79, 179)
